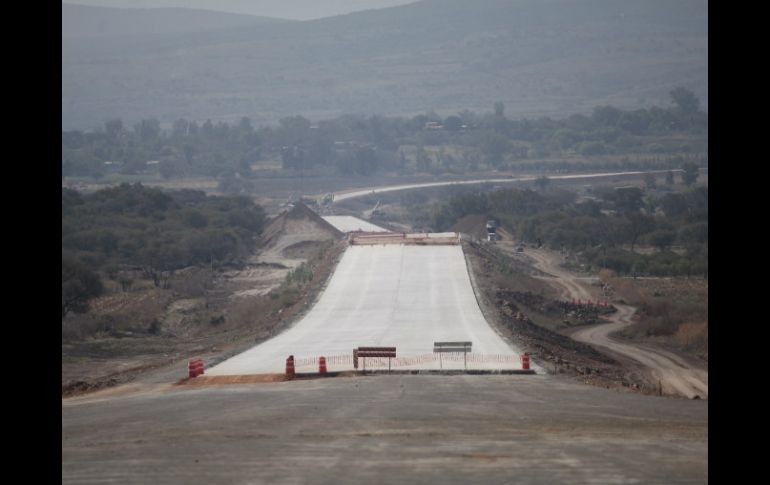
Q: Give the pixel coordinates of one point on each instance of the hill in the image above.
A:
(283, 9)
(539, 57)
(79, 21)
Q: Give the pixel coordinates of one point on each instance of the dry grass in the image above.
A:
(672, 311)
(693, 336)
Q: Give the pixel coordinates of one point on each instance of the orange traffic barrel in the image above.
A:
(525, 361)
(322, 365)
(290, 367)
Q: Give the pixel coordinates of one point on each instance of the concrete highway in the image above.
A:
(349, 194)
(389, 295)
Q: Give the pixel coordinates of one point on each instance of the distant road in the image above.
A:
(349, 194)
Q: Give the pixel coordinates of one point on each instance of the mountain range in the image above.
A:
(539, 57)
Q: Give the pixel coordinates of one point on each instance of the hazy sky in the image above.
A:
(288, 9)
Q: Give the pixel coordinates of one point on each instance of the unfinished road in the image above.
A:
(391, 295)
(352, 224)
(531, 429)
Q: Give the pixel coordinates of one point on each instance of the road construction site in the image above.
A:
(406, 291)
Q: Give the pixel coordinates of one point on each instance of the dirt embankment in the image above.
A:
(516, 314)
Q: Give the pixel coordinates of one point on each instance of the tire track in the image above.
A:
(674, 377)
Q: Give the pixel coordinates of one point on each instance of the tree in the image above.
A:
(628, 200)
(636, 225)
(494, 146)
(78, 285)
(662, 238)
(294, 130)
(606, 115)
(590, 148)
(245, 125)
(180, 128)
(148, 130)
(686, 102)
(422, 159)
(689, 173)
(649, 181)
(542, 183)
(453, 124)
(113, 128)
(167, 169)
(674, 205)
(499, 109)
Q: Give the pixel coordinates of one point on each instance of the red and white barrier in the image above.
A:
(345, 361)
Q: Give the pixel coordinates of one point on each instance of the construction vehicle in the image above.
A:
(491, 231)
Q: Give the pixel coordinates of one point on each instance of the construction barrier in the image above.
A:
(348, 360)
(358, 238)
(195, 368)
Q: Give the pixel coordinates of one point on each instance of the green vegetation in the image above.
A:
(78, 285)
(132, 230)
(299, 276)
(603, 229)
(363, 146)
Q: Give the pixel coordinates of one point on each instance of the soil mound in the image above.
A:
(474, 225)
(298, 224)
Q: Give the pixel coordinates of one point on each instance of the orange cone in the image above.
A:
(290, 367)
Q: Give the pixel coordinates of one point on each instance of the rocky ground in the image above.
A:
(524, 310)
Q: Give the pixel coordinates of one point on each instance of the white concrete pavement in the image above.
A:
(352, 224)
(393, 295)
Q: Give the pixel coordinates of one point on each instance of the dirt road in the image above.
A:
(567, 282)
(675, 375)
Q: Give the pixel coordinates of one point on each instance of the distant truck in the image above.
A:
(491, 231)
